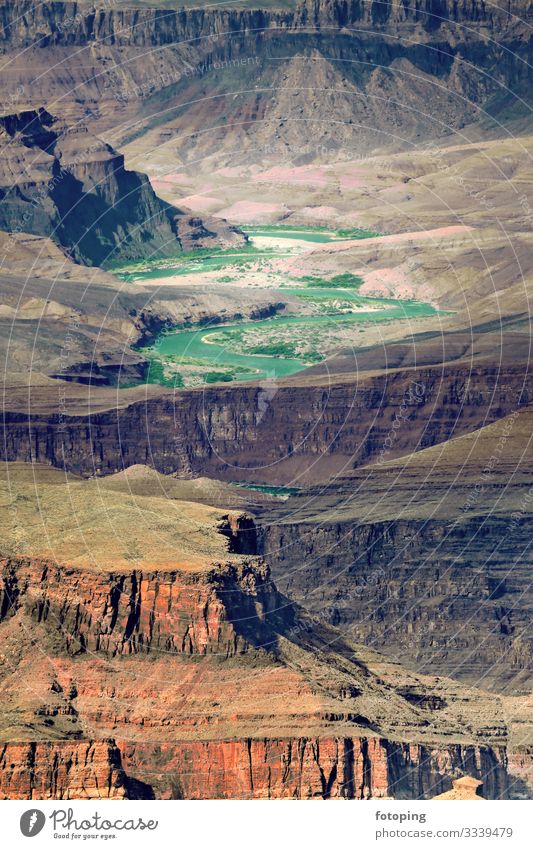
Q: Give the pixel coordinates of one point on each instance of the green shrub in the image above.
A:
(217, 377)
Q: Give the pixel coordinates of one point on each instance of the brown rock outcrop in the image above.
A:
(143, 611)
(43, 770)
(309, 432)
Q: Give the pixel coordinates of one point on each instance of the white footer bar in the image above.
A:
(265, 825)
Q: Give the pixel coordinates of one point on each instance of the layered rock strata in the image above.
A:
(61, 771)
(309, 431)
(195, 678)
(427, 557)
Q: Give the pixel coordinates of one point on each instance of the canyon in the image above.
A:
(199, 671)
(75, 188)
(304, 587)
(437, 579)
(310, 430)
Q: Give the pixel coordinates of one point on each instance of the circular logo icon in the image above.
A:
(32, 822)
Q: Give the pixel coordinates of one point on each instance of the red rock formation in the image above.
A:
(171, 611)
(227, 691)
(267, 769)
(84, 770)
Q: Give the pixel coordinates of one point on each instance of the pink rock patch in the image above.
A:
(350, 181)
(303, 176)
(252, 211)
(173, 179)
(199, 203)
(400, 238)
(319, 213)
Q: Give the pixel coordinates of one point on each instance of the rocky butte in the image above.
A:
(72, 186)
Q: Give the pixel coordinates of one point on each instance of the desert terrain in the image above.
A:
(266, 401)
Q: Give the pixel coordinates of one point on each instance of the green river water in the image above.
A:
(194, 343)
(225, 358)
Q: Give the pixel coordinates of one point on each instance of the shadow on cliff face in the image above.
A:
(136, 789)
(241, 532)
(123, 214)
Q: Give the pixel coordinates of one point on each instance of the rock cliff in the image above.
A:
(309, 431)
(122, 614)
(196, 678)
(78, 23)
(62, 182)
(437, 576)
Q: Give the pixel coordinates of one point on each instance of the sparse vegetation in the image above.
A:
(158, 374)
(202, 260)
(218, 377)
(309, 230)
(241, 259)
(340, 281)
(357, 233)
(274, 349)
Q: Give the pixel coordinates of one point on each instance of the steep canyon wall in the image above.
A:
(302, 433)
